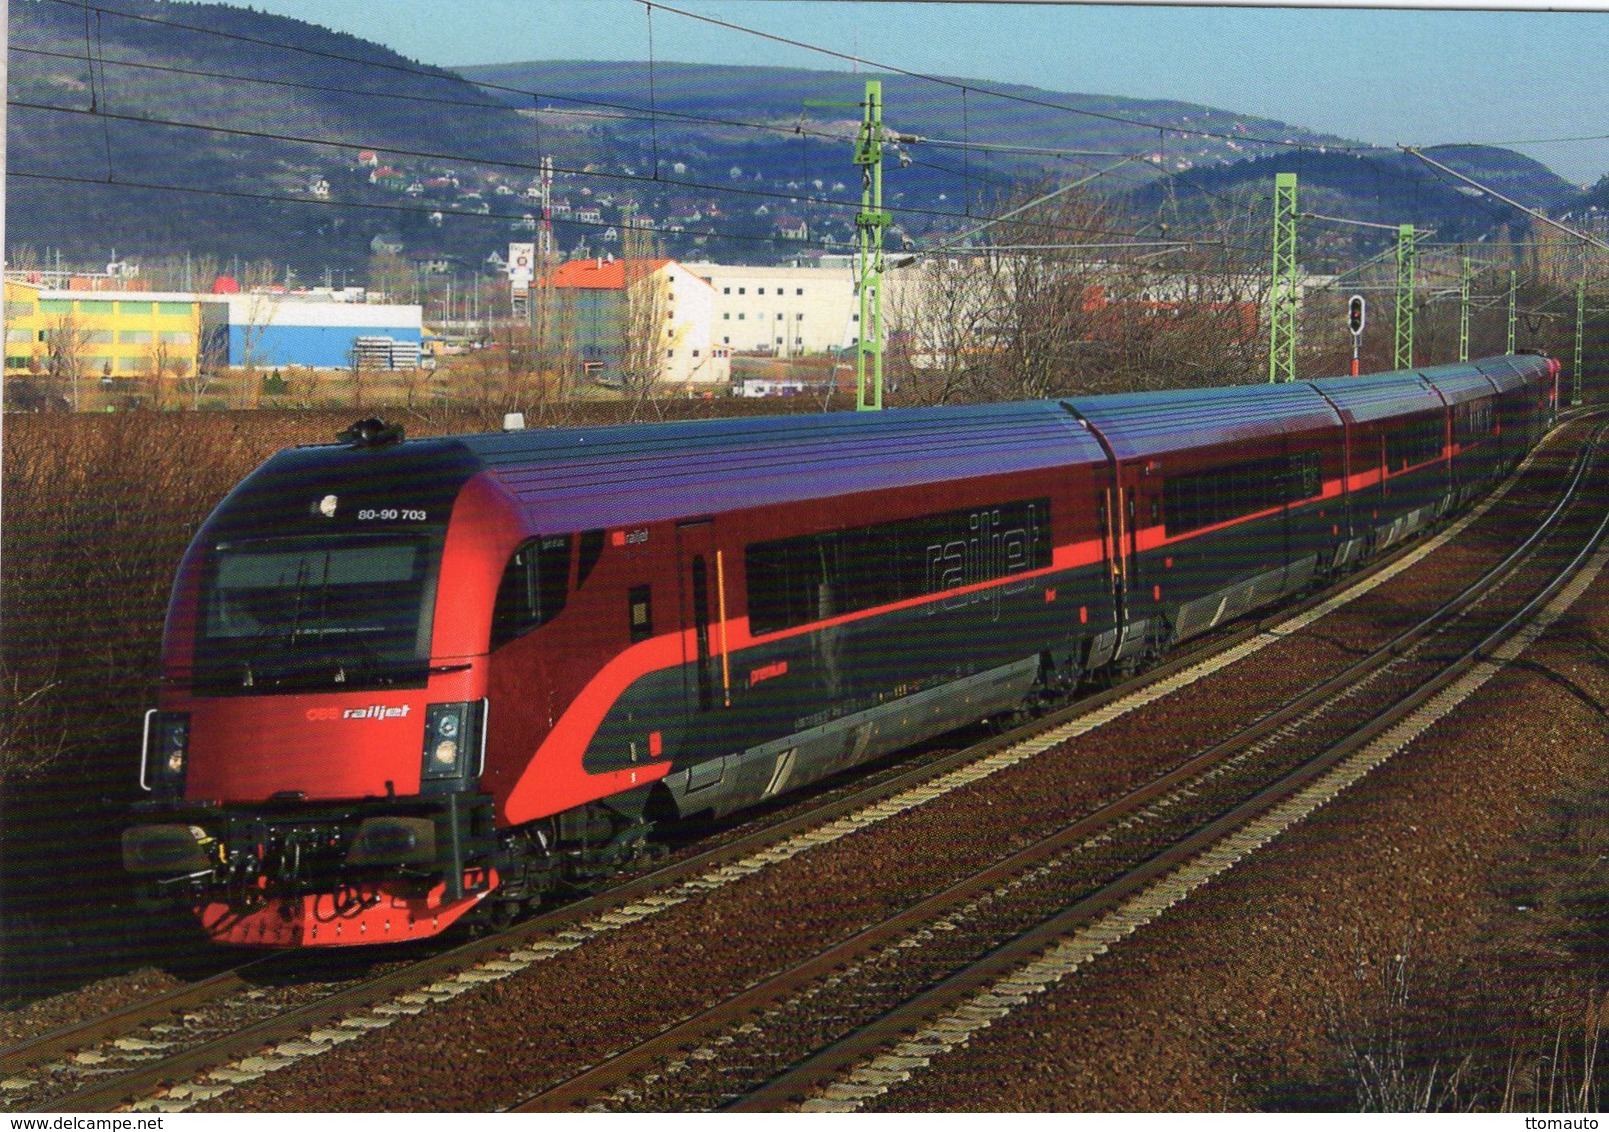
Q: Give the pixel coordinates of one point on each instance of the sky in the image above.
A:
(1525, 77)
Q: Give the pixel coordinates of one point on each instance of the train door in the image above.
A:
(1136, 607)
(1131, 544)
(1112, 547)
(695, 552)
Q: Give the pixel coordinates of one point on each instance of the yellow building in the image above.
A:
(22, 325)
(76, 341)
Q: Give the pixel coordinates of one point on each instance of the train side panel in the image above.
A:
(1227, 500)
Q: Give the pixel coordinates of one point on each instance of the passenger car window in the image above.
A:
(534, 588)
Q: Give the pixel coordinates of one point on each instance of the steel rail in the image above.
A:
(116, 1023)
(815, 1072)
(755, 1000)
(187, 1063)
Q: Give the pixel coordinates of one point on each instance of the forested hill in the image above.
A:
(1383, 188)
(93, 91)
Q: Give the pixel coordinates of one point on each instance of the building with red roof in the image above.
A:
(637, 321)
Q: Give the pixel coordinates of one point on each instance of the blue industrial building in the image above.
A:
(268, 330)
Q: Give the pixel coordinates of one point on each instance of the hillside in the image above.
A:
(1382, 190)
(953, 110)
(320, 148)
(261, 83)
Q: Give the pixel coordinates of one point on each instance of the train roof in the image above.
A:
(1460, 382)
(1377, 396)
(582, 478)
(1514, 370)
(1141, 425)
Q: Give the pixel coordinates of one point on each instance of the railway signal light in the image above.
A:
(1355, 307)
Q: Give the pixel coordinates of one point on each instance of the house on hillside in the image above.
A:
(793, 228)
(628, 319)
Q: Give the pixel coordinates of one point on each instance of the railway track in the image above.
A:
(867, 1063)
(211, 1068)
(841, 1028)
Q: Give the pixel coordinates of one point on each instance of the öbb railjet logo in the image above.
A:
(373, 711)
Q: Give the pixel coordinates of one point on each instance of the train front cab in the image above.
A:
(313, 764)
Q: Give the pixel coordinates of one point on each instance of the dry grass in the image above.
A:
(1408, 1049)
(1517, 1025)
(1394, 1055)
(96, 511)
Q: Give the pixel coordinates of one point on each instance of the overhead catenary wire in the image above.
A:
(652, 112)
(936, 213)
(1328, 145)
(1048, 225)
(365, 206)
(419, 154)
(955, 84)
(966, 144)
(1531, 212)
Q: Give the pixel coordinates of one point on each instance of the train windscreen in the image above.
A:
(315, 613)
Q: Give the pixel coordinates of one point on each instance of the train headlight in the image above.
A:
(453, 734)
(170, 849)
(393, 841)
(166, 750)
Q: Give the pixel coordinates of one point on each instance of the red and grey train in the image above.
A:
(405, 680)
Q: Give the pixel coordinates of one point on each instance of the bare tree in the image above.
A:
(301, 385)
(161, 361)
(1045, 325)
(1196, 321)
(502, 375)
(1028, 319)
(1054, 307)
(66, 362)
(948, 336)
(260, 310)
(642, 348)
(536, 362)
(391, 275)
(359, 367)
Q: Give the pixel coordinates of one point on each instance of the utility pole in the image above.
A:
(870, 223)
(1513, 294)
(1283, 296)
(546, 261)
(1405, 285)
(1463, 310)
(1580, 331)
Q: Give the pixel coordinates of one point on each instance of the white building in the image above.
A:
(789, 311)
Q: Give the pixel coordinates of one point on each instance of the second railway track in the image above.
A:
(874, 1009)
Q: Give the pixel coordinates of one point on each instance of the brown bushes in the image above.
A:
(95, 513)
